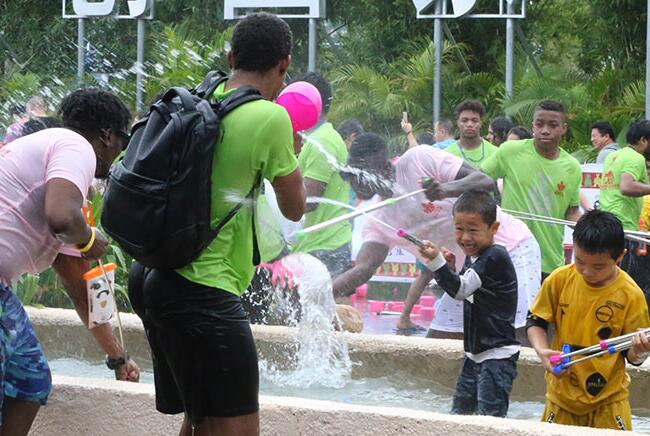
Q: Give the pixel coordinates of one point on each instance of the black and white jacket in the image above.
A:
(488, 286)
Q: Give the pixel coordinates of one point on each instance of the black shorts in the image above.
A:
(202, 347)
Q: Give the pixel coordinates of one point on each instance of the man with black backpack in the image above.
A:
(205, 361)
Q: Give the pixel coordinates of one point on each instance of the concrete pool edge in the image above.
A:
(63, 335)
(104, 408)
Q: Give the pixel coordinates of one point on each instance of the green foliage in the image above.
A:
(178, 58)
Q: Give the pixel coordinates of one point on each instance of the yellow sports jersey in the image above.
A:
(583, 316)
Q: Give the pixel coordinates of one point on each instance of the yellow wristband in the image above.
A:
(86, 248)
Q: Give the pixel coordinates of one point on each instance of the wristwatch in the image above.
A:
(117, 362)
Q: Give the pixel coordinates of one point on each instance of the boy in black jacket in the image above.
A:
(488, 286)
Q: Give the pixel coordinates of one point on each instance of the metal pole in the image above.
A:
(510, 51)
(313, 30)
(437, 45)
(647, 65)
(81, 50)
(139, 66)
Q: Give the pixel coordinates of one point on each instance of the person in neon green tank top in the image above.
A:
(323, 154)
(205, 361)
(541, 178)
(470, 146)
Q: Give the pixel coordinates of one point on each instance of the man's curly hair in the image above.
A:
(259, 42)
(91, 110)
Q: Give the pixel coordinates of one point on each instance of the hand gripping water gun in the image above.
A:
(606, 346)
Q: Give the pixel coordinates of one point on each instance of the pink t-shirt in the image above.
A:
(26, 165)
(431, 220)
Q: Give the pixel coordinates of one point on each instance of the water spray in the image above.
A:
(632, 235)
(402, 233)
(358, 212)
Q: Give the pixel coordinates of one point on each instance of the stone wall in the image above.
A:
(86, 407)
(62, 335)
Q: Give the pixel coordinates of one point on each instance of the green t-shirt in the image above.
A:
(627, 209)
(256, 137)
(321, 157)
(474, 156)
(534, 184)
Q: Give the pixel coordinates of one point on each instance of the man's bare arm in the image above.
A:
(370, 257)
(70, 270)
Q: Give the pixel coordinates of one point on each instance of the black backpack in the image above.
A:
(157, 204)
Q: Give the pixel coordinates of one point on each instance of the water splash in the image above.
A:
(366, 177)
(321, 356)
(370, 215)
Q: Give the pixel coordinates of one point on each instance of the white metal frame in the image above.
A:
(316, 8)
(506, 10)
(146, 16)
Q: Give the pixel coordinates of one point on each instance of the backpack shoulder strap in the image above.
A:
(212, 80)
(241, 96)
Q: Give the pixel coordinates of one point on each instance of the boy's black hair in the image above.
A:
(91, 110)
(470, 105)
(425, 138)
(349, 127)
(550, 105)
(598, 231)
(521, 132)
(36, 124)
(501, 126)
(605, 128)
(323, 86)
(638, 129)
(259, 42)
(368, 151)
(479, 202)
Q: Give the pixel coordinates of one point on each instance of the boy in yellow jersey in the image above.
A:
(588, 301)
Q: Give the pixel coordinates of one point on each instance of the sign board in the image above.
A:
(235, 9)
(452, 9)
(459, 7)
(138, 9)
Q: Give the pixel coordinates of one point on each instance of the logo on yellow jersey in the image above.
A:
(595, 383)
(604, 313)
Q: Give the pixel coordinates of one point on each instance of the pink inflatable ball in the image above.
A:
(362, 291)
(427, 300)
(376, 306)
(427, 313)
(303, 103)
(416, 309)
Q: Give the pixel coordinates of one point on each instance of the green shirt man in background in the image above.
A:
(625, 179)
(540, 178)
(471, 147)
(323, 154)
(624, 183)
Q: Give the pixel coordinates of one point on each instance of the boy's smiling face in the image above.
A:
(472, 233)
(598, 269)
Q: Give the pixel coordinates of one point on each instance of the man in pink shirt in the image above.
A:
(428, 217)
(44, 179)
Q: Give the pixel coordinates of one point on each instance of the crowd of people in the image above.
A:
(504, 279)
